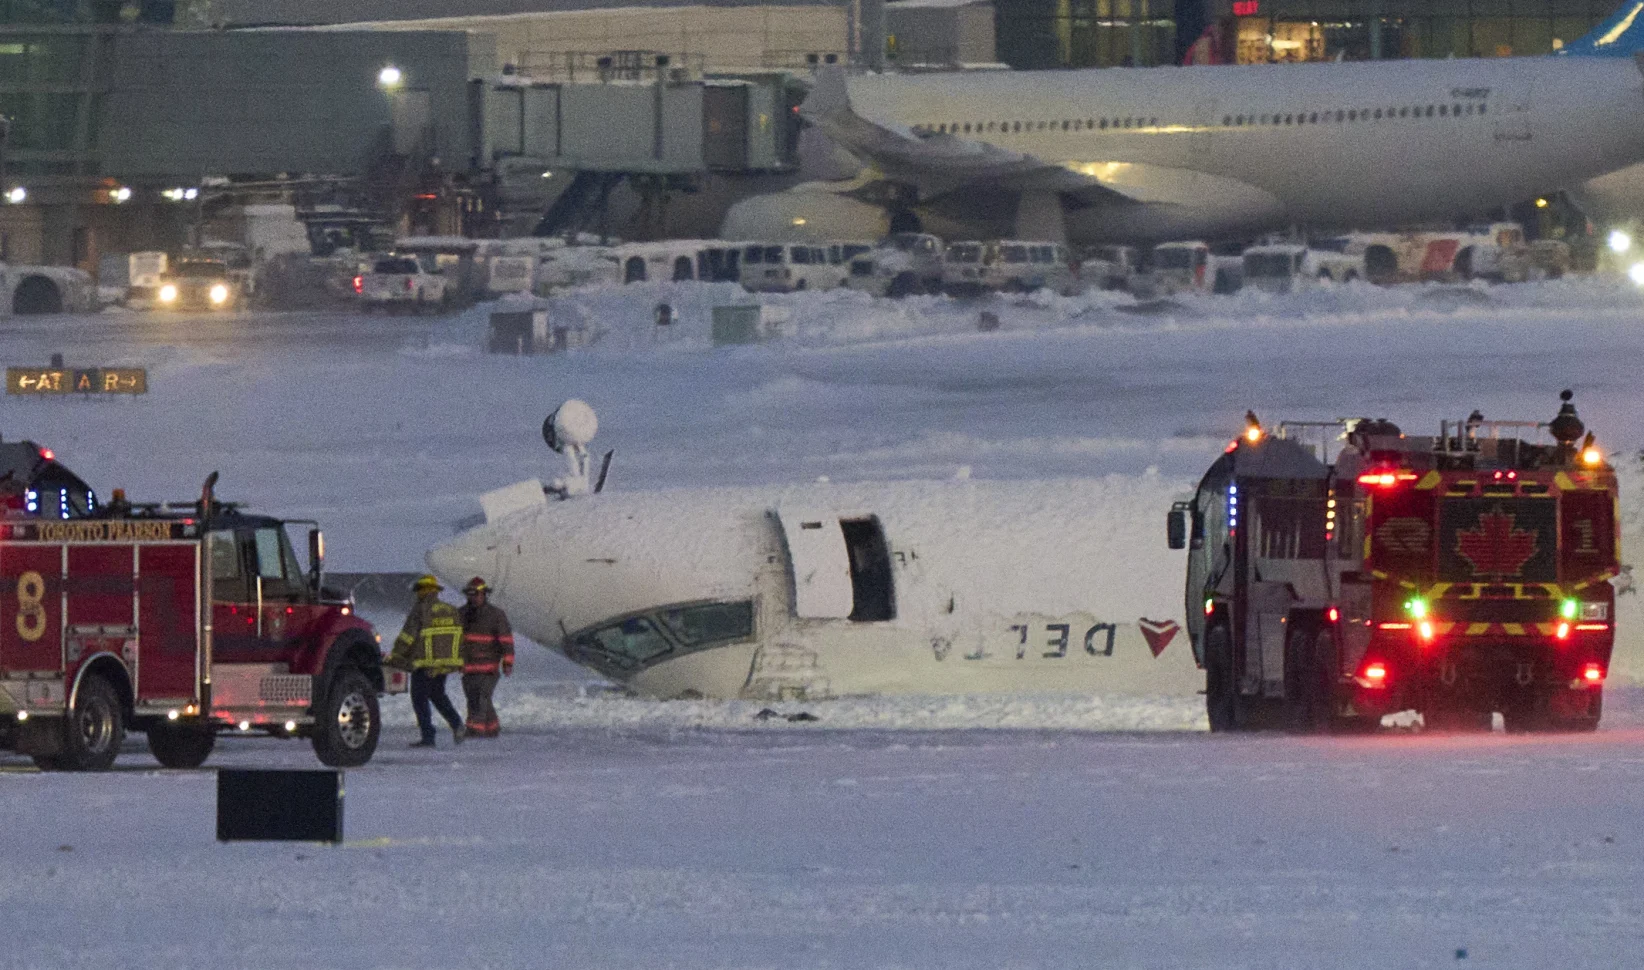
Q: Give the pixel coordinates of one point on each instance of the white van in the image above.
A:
(787, 267)
(1289, 267)
(1190, 267)
(1113, 267)
(903, 264)
(1022, 266)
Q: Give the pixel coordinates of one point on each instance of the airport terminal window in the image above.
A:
(634, 640)
(696, 626)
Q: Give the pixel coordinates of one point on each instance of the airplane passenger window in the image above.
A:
(1444, 111)
(967, 127)
(1090, 122)
(695, 626)
(1340, 116)
(1153, 122)
(1066, 125)
(1017, 126)
(1103, 124)
(1378, 114)
(1482, 108)
(1352, 116)
(1289, 119)
(1429, 111)
(1313, 118)
(1227, 120)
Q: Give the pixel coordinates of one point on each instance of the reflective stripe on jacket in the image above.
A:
(487, 642)
(431, 639)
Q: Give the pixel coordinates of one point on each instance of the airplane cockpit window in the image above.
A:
(629, 642)
(695, 626)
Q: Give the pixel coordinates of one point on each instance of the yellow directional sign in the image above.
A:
(77, 380)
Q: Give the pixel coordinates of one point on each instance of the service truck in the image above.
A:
(184, 621)
(1458, 575)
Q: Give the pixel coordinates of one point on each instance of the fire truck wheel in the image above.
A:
(1221, 696)
(347, 724)
(180, 746)
(94, 730)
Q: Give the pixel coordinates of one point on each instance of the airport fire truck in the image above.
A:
(183, 621)
(1459, 576)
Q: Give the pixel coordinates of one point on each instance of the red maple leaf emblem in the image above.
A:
(1495, 548)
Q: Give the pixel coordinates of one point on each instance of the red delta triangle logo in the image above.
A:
(1157, 633)
(1496, 548)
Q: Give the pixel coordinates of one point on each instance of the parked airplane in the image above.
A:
(1195, 152)
(832, 590)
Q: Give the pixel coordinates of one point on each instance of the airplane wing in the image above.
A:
(936, 164)
(942, 165)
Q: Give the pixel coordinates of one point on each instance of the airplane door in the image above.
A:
(820, 564)
(1512, 111)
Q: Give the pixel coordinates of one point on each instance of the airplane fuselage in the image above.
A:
(1364, 145)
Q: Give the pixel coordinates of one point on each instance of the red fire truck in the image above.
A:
(1459, 575)
(184, 622)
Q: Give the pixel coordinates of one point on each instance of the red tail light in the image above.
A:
(1376, 672)
(359, 284)
(1592, 673)
(1386, 479)
(48, 454)
(409, 284)
(1563, 631)
(1332, 614)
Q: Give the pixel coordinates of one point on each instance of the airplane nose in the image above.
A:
(473, 553)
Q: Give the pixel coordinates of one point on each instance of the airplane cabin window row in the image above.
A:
(1228, 121)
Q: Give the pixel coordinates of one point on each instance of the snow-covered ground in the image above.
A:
(607, 831)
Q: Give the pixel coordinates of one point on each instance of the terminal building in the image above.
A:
(1113, 33)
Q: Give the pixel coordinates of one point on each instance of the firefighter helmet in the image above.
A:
(476, 585)
(426, 584)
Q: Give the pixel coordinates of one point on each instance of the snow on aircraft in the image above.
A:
(826, 590)
(1133, 155)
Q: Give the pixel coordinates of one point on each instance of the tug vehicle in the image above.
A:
(184, 621)
(1459, 575)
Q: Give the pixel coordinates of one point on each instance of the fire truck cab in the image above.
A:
(183, 621)
(1459, 575)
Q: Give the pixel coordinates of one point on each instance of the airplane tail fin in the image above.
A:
(828, 94)
(1620, 36)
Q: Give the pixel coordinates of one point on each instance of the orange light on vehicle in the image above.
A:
(1253, 434)
(1592, 673)
(1395, 626)
(1425, 628)
(1376, 671)
(1591, 627)
(1592, 456)
(1377, 478)
(1563, 631)
(359, 284)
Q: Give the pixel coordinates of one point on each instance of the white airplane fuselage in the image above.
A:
(1224, 151)
(838, 590)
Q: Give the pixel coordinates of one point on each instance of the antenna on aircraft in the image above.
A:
(569, 431)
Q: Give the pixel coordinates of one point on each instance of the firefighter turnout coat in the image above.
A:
(431, 639)
(487, 642)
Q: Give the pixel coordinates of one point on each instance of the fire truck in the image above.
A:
(183, 621)
(1459, 576)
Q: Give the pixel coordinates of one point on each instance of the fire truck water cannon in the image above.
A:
(1339, 571)
(181, 620)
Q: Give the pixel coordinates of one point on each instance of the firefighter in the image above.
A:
(487, 653)
(430, 646)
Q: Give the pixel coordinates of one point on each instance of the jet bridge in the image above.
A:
(669, 126)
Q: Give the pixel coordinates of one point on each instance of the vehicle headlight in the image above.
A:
(168, 293)
(1636, 273)
(219, 294)
(1620, 241)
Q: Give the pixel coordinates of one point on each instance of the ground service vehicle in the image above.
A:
(788, 267)
(1190, 267)
(1290, 267)
(183, 622)
(400, 282)
(198, 284)
(1457, 575)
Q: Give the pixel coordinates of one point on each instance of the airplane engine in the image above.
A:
(805, 214)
